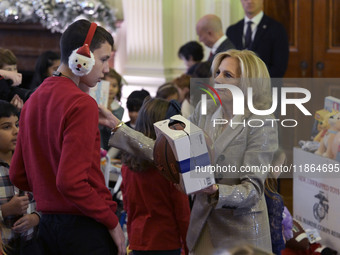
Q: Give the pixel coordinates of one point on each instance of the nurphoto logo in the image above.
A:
(239, 102)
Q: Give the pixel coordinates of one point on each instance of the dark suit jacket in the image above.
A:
(270, 44)
(225, 45)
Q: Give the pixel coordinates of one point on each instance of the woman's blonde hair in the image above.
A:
(253, 73)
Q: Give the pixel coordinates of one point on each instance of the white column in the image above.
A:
(154, 31)
(144, 40)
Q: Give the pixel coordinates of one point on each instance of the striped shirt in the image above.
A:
(7, 191)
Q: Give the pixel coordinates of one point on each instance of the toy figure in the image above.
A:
(336, 147)
(322, 117)
(326, 143)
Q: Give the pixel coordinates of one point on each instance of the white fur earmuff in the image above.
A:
(81, 61)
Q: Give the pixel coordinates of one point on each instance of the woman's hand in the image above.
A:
(209, 190)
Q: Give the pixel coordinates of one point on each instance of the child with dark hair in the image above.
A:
(10, 78)
(47, 63)
(18, 228)
(191, 53)
(158, 214)
(134, 103)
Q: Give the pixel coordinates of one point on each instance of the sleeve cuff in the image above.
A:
(37, 213)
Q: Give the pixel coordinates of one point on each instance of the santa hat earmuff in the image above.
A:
(82, 59)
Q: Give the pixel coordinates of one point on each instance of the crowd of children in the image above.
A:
(158, 214)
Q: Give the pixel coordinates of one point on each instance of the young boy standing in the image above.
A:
(17, 225)
(58, 150)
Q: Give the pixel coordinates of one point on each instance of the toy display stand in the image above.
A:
(112, 173)
(316, 195)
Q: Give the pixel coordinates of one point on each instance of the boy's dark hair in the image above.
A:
(135, 100)
(74, 37)
(193, 49)
(7, 109)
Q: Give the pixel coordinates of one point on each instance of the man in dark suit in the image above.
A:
(263, 35)
(210, 32)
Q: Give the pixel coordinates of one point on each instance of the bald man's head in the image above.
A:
(209, 29)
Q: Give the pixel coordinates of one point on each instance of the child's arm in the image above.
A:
(14, 76)
(26, 222)
(16, 206)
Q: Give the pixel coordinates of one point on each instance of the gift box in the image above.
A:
(191, 153)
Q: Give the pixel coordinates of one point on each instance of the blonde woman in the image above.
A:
(233, 211)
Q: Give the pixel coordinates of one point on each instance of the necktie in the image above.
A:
(247, 38)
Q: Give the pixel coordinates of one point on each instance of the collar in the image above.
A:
(256, 20)
(218, 114)
(218, 43)
(237, 120)
(60, 74)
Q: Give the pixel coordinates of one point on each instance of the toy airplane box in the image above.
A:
(191, 153)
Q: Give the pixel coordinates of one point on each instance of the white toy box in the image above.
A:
(191, 152)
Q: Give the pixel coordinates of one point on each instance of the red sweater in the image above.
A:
(58, 153)
(158, 214)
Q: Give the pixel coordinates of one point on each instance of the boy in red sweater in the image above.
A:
(58, 151)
